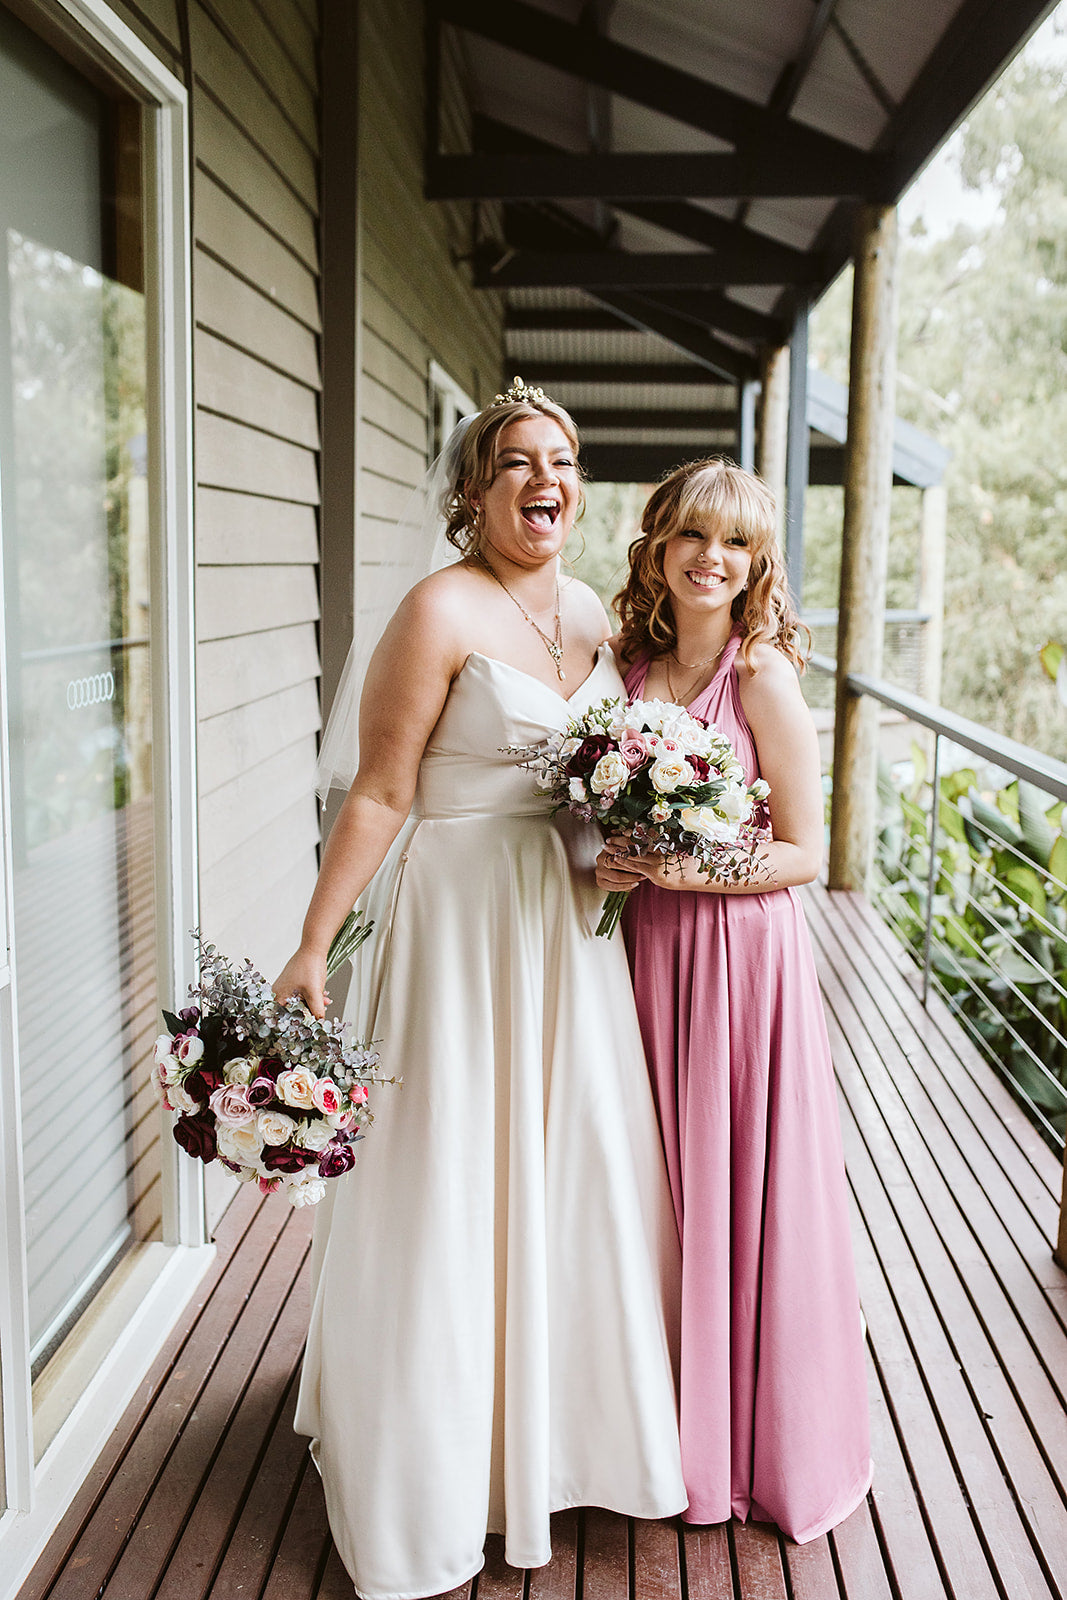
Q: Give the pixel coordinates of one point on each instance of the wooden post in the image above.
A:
(774, 427)
(865, 543)
(797, 452)
(1059, 1255)
(932, 527)
(746, 424)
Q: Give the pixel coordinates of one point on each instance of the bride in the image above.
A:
(493, 1322)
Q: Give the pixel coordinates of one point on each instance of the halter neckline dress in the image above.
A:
(773, 1389)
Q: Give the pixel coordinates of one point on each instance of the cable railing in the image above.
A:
(971, 874)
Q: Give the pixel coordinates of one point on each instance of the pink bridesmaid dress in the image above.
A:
(773, 1389)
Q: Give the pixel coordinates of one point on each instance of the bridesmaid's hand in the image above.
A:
(304, 975)
(618, 867)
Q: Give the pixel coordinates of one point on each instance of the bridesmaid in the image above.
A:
(773, 1391)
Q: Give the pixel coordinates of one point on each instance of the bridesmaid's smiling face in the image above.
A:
(532, 501)
(706, 570)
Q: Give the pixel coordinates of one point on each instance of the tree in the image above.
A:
(982, 362)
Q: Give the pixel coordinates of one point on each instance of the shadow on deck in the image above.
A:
(205, 1493)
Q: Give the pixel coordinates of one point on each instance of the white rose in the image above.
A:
(305, 1190)
(703, 821)
(670, 772)
(240, 1070)
(181, 1099)
(242, 1146)
(734, 806)
(163, 1049)
(316, 1135)
(568, 748)
(660, 811)
(610, 772)
(759, 790)
(275, 1127)
(190, 1049)
(296, 1087)
(690, 737)
(577, 790)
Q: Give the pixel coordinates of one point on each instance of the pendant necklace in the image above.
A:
(553, 646)
(690, 666)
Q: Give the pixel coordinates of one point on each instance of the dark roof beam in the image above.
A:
(684, 374)
(509, 268)
(698, 343)
(653, 83)
(673, 216)
(764, 171)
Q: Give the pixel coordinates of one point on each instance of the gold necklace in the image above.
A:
(553, 646)
(690, 666)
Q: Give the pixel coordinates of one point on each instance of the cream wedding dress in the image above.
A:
(496, 1283)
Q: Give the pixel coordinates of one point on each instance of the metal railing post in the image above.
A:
(932, 872)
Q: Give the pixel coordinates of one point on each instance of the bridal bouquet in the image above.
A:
(276, 1095)
(669, 780)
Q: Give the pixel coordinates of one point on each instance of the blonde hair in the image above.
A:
(475, 466)
(714, 495)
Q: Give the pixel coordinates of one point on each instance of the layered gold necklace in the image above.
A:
(689, 666)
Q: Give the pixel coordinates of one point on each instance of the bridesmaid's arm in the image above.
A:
(407, 684)
(787, 748)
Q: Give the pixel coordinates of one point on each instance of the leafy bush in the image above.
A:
(999, 919)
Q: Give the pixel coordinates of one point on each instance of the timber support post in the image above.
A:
(774, 427)
(865, 544)
(798, 453)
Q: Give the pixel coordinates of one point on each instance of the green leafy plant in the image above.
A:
(998, 918)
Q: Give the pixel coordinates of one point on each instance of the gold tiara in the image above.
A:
(519, 391)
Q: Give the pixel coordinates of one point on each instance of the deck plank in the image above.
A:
(758, 1558)
(559, 1579)
(708, 1565)
(957, 1242)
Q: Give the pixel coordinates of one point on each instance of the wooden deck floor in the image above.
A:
(205, 1493)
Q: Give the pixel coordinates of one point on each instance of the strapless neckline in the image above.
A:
(495, 661)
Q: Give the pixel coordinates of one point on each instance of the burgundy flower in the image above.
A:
(197, 1135)
(280, 1158)
(202, 1082)
(190, 1015)
(700, 768)
(270, 1066)
(588, 754)
(261, 1091)
(336, 1159)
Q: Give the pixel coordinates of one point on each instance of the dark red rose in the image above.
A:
(261, 1091)
(336, 1159)
(588, 754)
(196, 1135)
(201, 1082)
(270, 1066)
(280, 1158)
(700, 767)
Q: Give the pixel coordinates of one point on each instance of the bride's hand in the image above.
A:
(304, 975)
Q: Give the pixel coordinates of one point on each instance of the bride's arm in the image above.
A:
(407, 684)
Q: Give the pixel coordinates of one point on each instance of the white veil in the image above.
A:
(416, 547)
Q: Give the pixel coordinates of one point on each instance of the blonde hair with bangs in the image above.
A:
(712, 494)
(475, 466)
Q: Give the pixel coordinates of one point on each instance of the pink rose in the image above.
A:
(633, 749)
(261, 1091)
(358, 1094)
(230, 1104)
(325, 1096)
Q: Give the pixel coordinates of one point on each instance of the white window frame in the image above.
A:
(456, 403)
(37, 1495)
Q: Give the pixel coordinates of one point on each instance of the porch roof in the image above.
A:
(665, 184)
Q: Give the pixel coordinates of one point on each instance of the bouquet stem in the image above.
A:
(346, 941)
(612, 912)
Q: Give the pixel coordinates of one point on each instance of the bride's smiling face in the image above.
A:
(530, 506)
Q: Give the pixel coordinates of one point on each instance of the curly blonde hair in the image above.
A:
(475, 466)
(714, 495)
